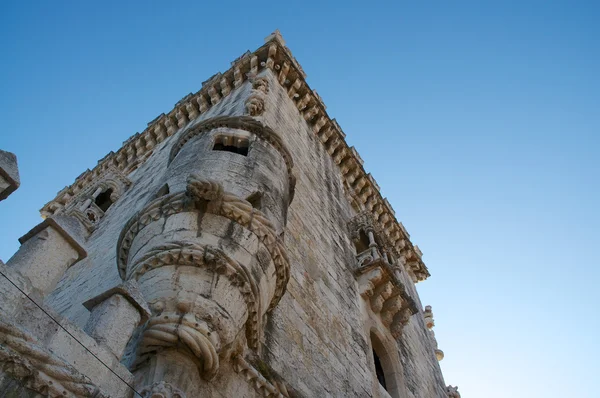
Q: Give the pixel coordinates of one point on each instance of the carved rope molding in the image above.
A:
(221, 203)
(253, 376)
(25, 359)
(192, 254)
(273, 55)
(245, 123)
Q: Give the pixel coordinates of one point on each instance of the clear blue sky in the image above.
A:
(480, 120)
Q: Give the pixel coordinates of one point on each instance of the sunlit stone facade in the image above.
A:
(234, 248)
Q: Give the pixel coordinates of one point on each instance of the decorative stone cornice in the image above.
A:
(109, 177)
(263, 386)
(273, 55)
(245, 123)
(25, 359)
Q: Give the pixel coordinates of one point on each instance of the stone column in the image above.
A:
(114, 316)
(47, 251)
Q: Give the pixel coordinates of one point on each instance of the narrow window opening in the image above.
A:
(255, 200)
(379, 370)
(231, 144)
(163, 191)
(103, 201)
(362, 244)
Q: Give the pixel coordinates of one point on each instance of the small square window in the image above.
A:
(233, 144)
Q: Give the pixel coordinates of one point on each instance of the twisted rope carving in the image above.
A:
(26, 360)
(222, 203)
(191, 254)
(169, 330)
(264, 387)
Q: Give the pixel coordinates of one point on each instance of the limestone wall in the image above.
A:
(212, 318)
(317, 339)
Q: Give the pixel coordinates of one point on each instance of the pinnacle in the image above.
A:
(276, 35)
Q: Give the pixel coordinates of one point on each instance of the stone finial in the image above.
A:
(428, 316)
(276, 35)
(9, 174)
(429, 323)
(452, 392)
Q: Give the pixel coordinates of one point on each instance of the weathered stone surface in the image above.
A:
(270, 263)
(9, 174)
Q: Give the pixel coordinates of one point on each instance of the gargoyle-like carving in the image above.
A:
(255, 105)
(196, 255)
(161, 390)
(25, 359)
(260, 84)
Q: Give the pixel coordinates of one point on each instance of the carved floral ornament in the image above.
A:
(275, 56)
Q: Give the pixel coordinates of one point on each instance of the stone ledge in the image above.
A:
(67, 226)
(9, 172)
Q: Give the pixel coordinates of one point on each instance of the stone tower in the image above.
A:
(234, 248)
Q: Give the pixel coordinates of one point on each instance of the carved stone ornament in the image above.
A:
(263, 386)
(255, 105)
(25, 359)
(452, 392)
(161, 390)
(386, 296)
(260, 84)
(228, 205)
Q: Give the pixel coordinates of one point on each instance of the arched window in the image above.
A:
(362, 243)
(103, 201)
(387, 367)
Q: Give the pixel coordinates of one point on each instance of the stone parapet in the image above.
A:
(47, 251)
